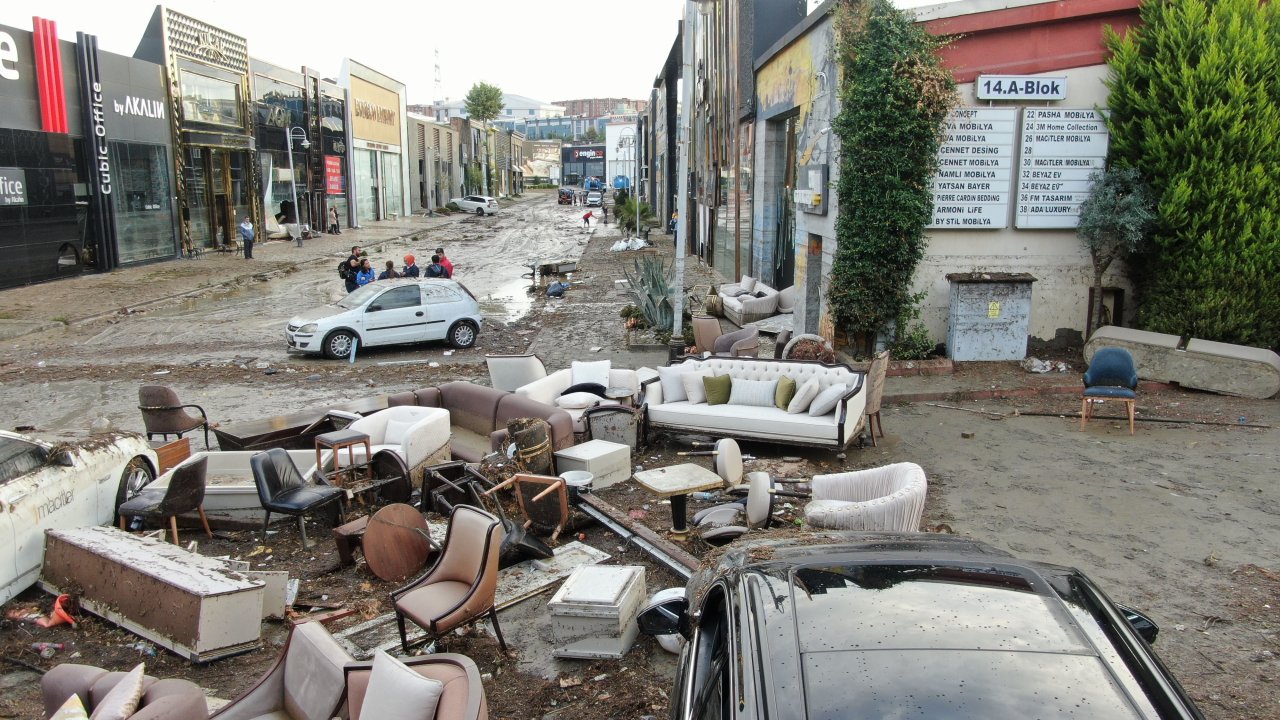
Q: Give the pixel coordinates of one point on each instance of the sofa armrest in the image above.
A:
(651, 391)
(546, 390)
(851, 410)
(766, 304)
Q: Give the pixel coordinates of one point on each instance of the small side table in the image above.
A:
(346, 439)
(676, 482)
(623, 395)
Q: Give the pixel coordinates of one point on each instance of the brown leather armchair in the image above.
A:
(463, 697)
(164, 414)
(460, 587)
(306, 683)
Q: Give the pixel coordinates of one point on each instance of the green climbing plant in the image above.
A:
(894, 96)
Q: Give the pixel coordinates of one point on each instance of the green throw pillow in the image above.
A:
(786, 390)
(717, 388)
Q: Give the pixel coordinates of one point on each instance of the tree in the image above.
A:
(591, 135)
(1114, 221)
(894, 96)
(484, 102)
(1195, 107)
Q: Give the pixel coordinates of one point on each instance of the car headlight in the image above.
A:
(308, 328)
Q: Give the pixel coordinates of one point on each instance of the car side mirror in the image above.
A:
(374, 308)
(669, 617)
(1141, 624)
(63, 458)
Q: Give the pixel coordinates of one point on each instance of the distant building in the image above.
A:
(596, 107)
(514, 107)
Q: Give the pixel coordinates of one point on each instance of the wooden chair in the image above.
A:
(875, 391)
(184, 494)
(1112, 375)
(460, 587)
(164, 414)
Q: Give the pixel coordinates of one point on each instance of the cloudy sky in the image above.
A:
(538, 48)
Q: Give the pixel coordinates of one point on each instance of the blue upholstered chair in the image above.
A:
(1111, 376)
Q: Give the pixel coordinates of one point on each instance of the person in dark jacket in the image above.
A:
(411, 268)
(390, 273)
(353, 268)
(435, 269)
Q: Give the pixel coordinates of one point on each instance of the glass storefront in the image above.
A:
(44, 231)
(144, 221)
(217, 184)
(210, 100)
(392, 185)
(366, 170)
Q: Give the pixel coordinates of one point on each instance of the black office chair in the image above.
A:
(282, 489)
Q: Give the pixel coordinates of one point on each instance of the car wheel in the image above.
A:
(136, 476)
(338, 344)
(462, 335)
(480, 211)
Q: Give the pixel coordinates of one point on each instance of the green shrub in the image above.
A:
(453, 207)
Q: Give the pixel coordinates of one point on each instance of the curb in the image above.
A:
(1001, 393)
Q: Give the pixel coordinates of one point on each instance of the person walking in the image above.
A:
(411, 268)
(333, 220)
(365, 275)
(246, 236)
(435, 269)
(445, 262)
(390, 273)
(604, 210)
(586, 219)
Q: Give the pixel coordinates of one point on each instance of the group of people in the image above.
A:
(359, 270)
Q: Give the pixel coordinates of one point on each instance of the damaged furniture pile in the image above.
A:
(453, 492)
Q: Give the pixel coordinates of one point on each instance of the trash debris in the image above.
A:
(556, 289)
(144, 648)
(160, 372)
(1036, 365)
(568, 682)
(59, 615)
(46, 650)
(258, 551)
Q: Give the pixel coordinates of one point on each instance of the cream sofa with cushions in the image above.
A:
(668, 406)
(748, 300)
(550, 390)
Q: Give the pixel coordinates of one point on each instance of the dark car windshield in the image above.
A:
(19, 457)
(908, 641)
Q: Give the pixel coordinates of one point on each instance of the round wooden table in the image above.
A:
(393, 547)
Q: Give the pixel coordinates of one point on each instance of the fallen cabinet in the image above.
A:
(594, 612)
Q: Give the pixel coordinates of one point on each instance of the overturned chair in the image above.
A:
(884, 498)
(721, 524)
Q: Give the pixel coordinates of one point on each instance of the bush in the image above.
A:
(812, 350)
(453, 207)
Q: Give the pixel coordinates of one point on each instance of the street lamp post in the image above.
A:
(296, 231)
(635, 161)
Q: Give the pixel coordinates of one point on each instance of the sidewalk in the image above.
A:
(94, 295)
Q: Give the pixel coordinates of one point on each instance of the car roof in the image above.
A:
(934, 626)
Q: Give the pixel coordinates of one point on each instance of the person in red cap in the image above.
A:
(410, 267)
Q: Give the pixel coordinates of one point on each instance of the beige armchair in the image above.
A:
(460, 587)
(508, 372)
(306, 683)
(463, 697)
(875, 391)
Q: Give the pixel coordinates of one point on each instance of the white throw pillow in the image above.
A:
(758, 393)
(672, 387)
(805, 394)
(747, 283)
(123, 699)
(395, 432)
(590, 372)
(692, 382)
(827, 399)
(577, 401)
(396, 692)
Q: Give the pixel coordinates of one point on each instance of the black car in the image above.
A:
(889, 625)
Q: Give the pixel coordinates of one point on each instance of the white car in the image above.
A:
(595, 198)
(69, 485)
(389, 312)
(478, 204)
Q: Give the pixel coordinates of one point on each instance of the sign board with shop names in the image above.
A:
(1060, 148)
(1020, 87)
(975, 166)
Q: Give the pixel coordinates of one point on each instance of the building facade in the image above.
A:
(86, 158)
(434, 170)
(379, 139)
(597, 107)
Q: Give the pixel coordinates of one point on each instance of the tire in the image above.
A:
(462, 335)
(480, 211)
(136, 476)
(338, 344)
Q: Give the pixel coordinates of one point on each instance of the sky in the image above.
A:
(544, 50)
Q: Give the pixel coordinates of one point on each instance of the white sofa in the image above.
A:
(740, 302)
(835, 429)
(884, 498)
(418, 435)
(548, 390)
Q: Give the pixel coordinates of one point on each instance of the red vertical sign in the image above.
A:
(48, 57)
(333, 184)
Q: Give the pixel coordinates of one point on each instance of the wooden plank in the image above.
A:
(676, 553)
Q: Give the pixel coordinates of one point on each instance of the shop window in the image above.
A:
(144, 215)
(209, 100)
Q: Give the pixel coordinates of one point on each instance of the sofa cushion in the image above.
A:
(397, 692)
(590, 372)
(747, 283)
(786, 390)
(787, 299)
(123, 699)
(577, 401)
(765, 423)
(758, 393)
(693, 387)
(739, 292)
(672, 387)
(827, 399)
(804, 396)
(396, 429)
(72, 709)
(471, 407)
(587, 387)
(718, 388)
